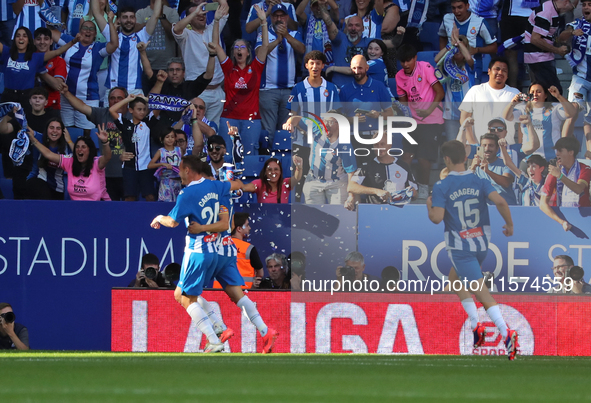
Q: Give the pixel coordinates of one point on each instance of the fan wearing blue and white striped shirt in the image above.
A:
(125, 69)
(7, 21)
(280, 69)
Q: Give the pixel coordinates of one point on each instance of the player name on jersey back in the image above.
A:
(464, 192)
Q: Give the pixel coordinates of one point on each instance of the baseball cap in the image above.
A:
(279, 7)
(216, 139)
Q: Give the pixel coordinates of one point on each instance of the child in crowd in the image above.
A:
(136, 139)
(168, 158)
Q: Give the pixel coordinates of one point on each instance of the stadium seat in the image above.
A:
(429, 36)
(486, 58)
(281, 141)
(264, 143)
(76, 132)
(253, 165)
(6, 187)
(392, 85)
(285, 159)
(427, 56)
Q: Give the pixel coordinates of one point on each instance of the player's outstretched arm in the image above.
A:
(163, 220)
(503, 208)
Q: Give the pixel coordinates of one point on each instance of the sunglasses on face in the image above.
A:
(496, 129)
(216, 148)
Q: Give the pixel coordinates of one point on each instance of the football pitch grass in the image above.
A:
(154, 377)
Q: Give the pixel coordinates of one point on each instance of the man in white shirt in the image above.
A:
(193, 43)
(487, 100)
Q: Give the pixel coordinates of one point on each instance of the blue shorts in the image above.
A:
(467, 264)
(226, 272)
(196, 268)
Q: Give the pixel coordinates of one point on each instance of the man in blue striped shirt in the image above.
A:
(331, 168)
(279, 75)
(459, 201)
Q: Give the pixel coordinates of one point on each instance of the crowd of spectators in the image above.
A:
(231, 95)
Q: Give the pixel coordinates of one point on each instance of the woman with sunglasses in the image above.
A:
(242, 75)
(547, 118)
(271, 179)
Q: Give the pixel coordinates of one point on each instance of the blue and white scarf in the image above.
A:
(530, 3)
(532, 192)
(452, 70)
(401, 197)
(510, 43)
(417, 13)
(167, 103)
(579, 43)
(564, 196)
(327, 44)
(113, 7)
(20, 146)
(47, 16)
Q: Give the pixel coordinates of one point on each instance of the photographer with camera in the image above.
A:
(354, 269)
(149, 274)
(12, 335)
(296, 272)
(277, 268)
(564, 268)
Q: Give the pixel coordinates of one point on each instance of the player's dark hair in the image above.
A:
(196, 165)
(42, 31)
(457, 1)
(265, 178)
(61, 142)
(490, 136)
(538, 159)
(7, 305)
(84, 170)
(239, 220)
(567, 259)
(406, 52)
(118, 88)
(569, 144)
(500, 59)
(125, 9)
(150, 259)
(165, 131)
(454, 150)
(384, 48)
(30, 46)
(181, 132)
(38, 91)
(317, 55)
(137, 100)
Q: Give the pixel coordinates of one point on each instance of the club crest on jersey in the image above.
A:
(49, 66)
(241, 84)
(326, 93)
(249, 70)
(547, 112)
(473, 30)
(397, 174)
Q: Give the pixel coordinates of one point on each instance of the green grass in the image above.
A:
(134, 377)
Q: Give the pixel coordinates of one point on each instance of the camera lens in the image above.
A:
(8, 317)
(151, 273)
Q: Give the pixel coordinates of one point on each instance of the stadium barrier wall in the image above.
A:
(355, 323)
(60, 260)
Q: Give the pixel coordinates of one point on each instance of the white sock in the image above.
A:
(211, 313)
(203, 323)
(251, 312)
(470, 308)
(494, 314)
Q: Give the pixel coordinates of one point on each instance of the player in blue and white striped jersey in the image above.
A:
(460, 201)
(28, 15)
(74, 11)
(7, 21)
(278, 76)
(125, 68)
(83, 61)
(331, 168)
(200, 202)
